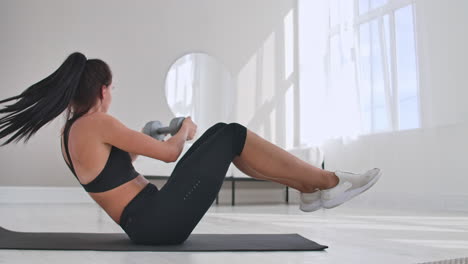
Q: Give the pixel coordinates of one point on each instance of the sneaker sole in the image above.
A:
(347, 196)
(307, 208)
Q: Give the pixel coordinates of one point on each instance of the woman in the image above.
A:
(99, 151)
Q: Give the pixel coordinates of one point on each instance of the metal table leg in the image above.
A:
(233, 192)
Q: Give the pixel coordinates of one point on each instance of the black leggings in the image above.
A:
(169, 215)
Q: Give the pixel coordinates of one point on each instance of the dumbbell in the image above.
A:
(156, 130)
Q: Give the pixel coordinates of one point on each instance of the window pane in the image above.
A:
(288, 45)
(377, 3)
(289, 122)
(363, 6)
(368, 5)
(406, 67)
(346, 13)
(335, 58)
(386, 21)
(334, 12)
(409, 117)
(365, 76)
(379, 102)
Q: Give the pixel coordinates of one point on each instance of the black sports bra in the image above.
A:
(117, 171)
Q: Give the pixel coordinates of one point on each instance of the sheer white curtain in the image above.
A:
(342, 97)
(328, 76)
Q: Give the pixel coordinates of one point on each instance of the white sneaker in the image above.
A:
(349, 186)
(311, 201)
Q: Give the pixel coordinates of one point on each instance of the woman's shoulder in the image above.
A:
(101, 118)
(99, 126)
(91, 124)
(95, 120)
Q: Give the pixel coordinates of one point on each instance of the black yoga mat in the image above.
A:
(120, 242)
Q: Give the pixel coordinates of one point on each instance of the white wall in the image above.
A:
(139, 40)
(424, 167)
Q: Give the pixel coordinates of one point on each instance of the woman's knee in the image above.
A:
(219, 124)
(215, 128)
(240, 135)
(237, 131)
(233, 125)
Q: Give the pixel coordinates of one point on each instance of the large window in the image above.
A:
(373, 41)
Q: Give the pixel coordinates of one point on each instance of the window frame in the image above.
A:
(389, 70)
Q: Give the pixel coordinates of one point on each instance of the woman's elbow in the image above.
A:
(173, 157)
(133, 157)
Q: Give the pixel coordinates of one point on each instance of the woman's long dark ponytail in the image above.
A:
(75, 84)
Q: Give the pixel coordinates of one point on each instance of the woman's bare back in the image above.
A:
(89, 156)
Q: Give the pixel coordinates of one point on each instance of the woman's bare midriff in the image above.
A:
(115, 200)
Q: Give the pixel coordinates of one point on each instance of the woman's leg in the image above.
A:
(242, 166)
(279, 165)
(204, 137)
(303, 177)
(193, 186)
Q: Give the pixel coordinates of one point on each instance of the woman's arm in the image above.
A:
(178, 140)
(133, 156)
(113, 132)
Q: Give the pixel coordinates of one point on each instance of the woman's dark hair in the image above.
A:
(74, 86)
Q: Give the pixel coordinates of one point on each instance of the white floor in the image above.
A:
(353, 235)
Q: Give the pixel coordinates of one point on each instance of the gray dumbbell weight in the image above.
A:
(156, 130)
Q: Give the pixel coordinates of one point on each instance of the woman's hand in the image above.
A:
(190, 126)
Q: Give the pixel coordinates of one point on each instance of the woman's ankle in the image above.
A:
(305, 188)
(331, 180)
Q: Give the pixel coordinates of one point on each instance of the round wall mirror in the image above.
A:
(199, 86)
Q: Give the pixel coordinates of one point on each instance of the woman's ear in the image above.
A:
(103, 90)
